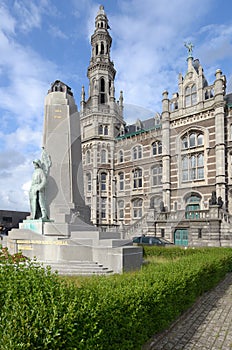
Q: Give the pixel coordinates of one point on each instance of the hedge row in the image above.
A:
(39, 310)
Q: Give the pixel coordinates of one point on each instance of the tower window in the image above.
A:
(100, 129)
(89, 183)
(103, 156)
(102, 48)
(102, 91)
(190, 95)
(103, 208)
(121, 181)
(137, 177)
(88, 158)
(103, 181)
(121, 210)
(120, 156)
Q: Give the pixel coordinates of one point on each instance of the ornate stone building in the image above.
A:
(169, 175)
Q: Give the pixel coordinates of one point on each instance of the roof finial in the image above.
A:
(190, 48)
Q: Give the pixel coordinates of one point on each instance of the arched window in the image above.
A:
(155, 202)
(103, 156)
(192, 139)
(88, 182)
(121, 181)
(137, 210)
(192, 160)
(102, 91)
(157, 175)
(106, 130)
(190, 95)
(137, 152)
(137, 178)
(121, 210)
(200, 140)
(100, 129)
(96, 49)
(192, 207)
(120, 156)
(102, 48)
(185, 142)
(88, 157)
(156, 148)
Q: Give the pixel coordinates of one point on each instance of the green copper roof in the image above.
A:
(141, 131)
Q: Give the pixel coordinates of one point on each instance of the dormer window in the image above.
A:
(190, 95)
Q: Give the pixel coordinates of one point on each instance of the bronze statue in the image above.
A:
(37, 189)
(189, 46)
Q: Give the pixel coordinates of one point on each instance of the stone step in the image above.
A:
(75, 268)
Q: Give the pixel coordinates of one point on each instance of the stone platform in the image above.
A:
(34, 239)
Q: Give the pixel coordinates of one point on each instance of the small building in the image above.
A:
(10, 219)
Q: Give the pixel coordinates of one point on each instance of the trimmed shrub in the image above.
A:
(40, 310)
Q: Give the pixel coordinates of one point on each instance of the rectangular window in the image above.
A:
(199, 233)
(162, 232)
(103, 208)
(7, 219)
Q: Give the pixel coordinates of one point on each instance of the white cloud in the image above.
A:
(29, 14)
(57, 33)
(12, 187)
(149, 51)
(7, 23)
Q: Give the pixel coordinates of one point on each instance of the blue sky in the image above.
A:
(45, 40)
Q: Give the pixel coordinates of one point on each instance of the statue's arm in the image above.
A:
(43, 181)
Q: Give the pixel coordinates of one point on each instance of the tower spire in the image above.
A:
(101, 71)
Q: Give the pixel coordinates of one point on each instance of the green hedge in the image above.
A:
(39, 310)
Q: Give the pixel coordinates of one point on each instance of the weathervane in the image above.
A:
(190, 48)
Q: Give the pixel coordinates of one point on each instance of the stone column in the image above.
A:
(166, 149)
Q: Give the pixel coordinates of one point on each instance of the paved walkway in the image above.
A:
(206, 326)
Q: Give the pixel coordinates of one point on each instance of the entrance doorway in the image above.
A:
(181, 237)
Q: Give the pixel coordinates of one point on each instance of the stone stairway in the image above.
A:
(77, 268)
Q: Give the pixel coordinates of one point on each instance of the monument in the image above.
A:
(59, 228)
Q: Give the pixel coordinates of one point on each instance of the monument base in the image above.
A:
(34, 239)
(52, 228)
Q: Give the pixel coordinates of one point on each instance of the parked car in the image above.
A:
(4, 231)
(151, 240)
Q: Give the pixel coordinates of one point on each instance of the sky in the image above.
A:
(46, 40)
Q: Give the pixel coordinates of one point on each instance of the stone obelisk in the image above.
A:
(62, 141)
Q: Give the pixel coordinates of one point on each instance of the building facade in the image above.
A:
(169, 175)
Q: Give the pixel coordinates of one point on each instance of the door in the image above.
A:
(181, 237)
(192, 211)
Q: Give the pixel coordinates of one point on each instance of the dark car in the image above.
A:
(151, 240)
